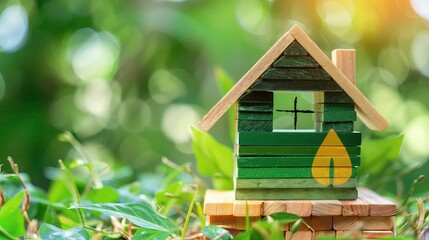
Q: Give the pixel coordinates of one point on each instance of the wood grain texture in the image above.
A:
(218, 202)
(254, 208)
(296, 74)
(271, 207)
(267, 116)
(301, 208)
(289, 183)
(325, 234)
(345, 61)
(356, 207)
(293, 161)
(366, 111)
(340, 116)
(295, 85)
(328, 207)
(256, 107)
(296, 194)
(296, 172)
(238, 223)
(318, 223)
(257, 97)
(245, 82)
(299, 235)
(377, 234)
(296, 62)
(293, 151)
(352, 235)
(335, 97)
(295, 138)
(254, 125)
(379, 206)
(295, 49)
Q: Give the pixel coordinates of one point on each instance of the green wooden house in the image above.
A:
(318, 163)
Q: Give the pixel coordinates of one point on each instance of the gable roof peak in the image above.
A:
(366, 111)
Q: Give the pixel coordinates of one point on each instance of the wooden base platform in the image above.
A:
(369, 216)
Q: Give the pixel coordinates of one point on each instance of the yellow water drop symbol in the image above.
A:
(342, 165)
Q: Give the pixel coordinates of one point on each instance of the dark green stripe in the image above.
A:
(277, 172)
(266, 162)
(296, 74)
(295, 85)
(287, 150)
(295, 138)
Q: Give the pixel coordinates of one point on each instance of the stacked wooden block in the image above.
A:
(369, 216)
(296, 164)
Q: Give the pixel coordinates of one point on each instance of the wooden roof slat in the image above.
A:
(245, 82)
(365, 110)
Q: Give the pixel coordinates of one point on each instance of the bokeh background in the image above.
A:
(129, 77)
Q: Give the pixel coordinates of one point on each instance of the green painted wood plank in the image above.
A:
(288, 183)
(338, 126)
(295, 49)
(297, 61)
(295, 85)
(255, 115)
(296, 172)
(257, 97)
(255, 107)
(340, 116)
(296, 74)
(291, 150)
(337, 97)
(345, 116)
(293, 161)
(295, 138)
(333, 107)
(255, 126)
(296, 194)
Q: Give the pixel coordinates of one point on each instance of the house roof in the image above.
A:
(365, 110)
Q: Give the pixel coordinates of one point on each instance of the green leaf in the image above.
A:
(225, 83)
(213, 159)
(212, 232)
(140, 214)
(51, 217)
(105, 194)
(249, 235)
(296, 226)
(50, 232)
(165, 199)
(11, 218)
(283, 217)
(149, 234)
(376, 153)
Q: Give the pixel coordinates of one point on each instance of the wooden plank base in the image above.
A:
(328, 218)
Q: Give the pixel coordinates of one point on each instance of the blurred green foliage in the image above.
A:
(128, 78)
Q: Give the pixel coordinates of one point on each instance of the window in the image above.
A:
(284, 110)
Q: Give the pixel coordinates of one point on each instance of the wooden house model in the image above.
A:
(297, 164)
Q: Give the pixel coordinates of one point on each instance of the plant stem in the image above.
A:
(185, 225)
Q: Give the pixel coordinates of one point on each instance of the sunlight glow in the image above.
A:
(93, 54)
(176, 121)
(164, 86)
(419, 52)
(421, 7)
(13, 28)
